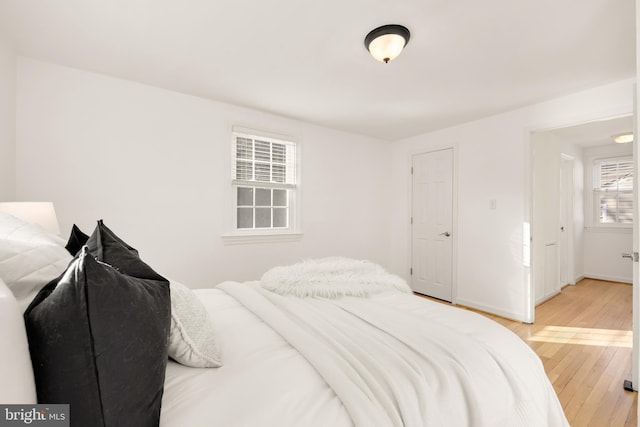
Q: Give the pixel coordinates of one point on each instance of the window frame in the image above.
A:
(236, 235)
(592, 191)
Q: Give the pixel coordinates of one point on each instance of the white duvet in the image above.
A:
(389, 359)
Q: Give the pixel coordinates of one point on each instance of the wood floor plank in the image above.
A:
(600, 403)
(583, 337)
(589, 378)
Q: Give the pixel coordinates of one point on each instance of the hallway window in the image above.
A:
(613, 191)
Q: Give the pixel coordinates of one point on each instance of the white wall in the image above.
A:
(494, 162)
(544, 224)
(7, 120)
(547, 151)
(603, 247)
(154, 165)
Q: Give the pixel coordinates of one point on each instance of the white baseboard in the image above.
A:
(548, 297)
(609, 278)
(491, 310)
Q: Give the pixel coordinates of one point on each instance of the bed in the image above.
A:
(323, 342)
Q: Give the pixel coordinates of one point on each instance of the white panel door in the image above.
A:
(432, 220)
(565, 220)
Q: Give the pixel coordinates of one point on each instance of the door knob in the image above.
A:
(445, 234)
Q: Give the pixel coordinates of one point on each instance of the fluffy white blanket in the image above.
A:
(332, 277)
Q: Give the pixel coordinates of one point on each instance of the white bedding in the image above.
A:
(358, 350)
(389, 359)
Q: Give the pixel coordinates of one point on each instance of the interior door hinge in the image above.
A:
(411, 220)
(635, 257)
(411, 271)
(411, 170)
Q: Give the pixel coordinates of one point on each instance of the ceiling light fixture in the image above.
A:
(385, 43)
(623, 138)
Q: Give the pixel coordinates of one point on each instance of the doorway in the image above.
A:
(563, 234)
(591, 251)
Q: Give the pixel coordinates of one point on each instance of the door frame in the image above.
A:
(454, 213)
(528, 226)
(635, 310)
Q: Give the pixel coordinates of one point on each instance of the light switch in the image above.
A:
(492, 204)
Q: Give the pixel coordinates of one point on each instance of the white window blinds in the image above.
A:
(263, 160)
(613, 191)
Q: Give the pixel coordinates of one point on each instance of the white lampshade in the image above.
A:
(41, 213)
(386, 43)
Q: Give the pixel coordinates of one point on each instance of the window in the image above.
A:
(613, 191)
(263, 177)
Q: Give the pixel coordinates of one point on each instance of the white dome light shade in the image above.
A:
(386, 48)
(623, 138)
(386, 43)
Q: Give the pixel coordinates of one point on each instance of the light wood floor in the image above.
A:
(583, 336)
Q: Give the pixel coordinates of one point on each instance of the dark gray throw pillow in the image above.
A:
(77, 240)
(107, 247)
(98, 341)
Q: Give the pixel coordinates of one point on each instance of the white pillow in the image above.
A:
(17, 385)
(192, 339)
(29, 257)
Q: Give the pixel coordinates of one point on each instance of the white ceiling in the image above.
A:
(306, 59)
(595, 133)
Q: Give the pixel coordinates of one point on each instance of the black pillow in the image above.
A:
(107, 247)
(98, 341)
(77, 239)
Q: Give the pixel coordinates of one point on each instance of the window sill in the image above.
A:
(245, 239)
(609, 229)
